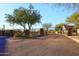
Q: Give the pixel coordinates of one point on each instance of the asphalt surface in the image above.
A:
(51, 45)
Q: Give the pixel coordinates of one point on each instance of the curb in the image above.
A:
(71, 37)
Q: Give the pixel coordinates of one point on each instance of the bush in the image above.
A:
(18, 34)
(9, 33)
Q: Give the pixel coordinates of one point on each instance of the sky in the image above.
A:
(50, 14)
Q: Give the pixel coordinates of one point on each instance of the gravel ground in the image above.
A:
(51, 45)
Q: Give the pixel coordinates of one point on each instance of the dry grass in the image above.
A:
(52, 45)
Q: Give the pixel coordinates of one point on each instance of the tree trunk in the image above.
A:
(29, 26)
(24, 30)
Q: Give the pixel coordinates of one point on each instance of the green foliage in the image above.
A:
(18, 34)
(74, 18)
(23, 17)
(58, 27)
(10, 32)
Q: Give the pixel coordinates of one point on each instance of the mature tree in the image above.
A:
(74, 18)
(34, 16)
(46, 26)
(58, 27)
(19, 17)
(23, 17)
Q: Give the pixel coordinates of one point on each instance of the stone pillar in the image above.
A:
(27, 33)
(42, 32)
(11, 33)
(70, 32)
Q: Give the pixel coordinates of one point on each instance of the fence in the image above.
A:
(33, 33)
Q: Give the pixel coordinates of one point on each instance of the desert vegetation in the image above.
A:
(42, 41)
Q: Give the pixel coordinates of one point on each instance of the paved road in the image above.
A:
(52, 45)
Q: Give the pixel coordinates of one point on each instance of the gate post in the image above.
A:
(11, 33)
(27, 33)
(70, 31)
(42, 32)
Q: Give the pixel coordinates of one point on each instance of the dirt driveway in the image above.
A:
(51, 45)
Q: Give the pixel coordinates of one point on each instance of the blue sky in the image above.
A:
(50, 14)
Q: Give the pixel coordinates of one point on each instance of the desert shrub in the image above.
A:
(58, 29)
(18, 34)
(34, 34)
(51, 31)
(2, 32)
(9, 33)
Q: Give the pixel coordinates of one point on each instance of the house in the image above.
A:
(69, 30)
